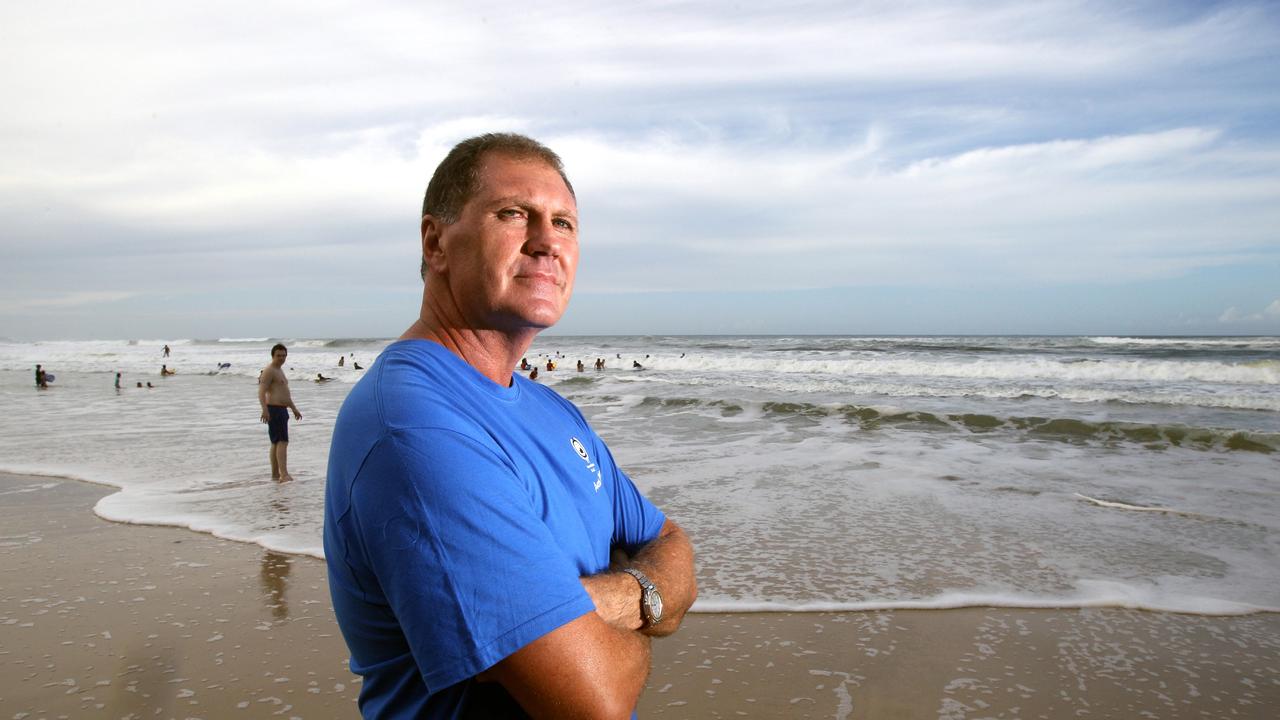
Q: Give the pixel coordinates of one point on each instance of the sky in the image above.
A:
(255, 169)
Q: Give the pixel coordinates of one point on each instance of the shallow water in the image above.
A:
(812, 472)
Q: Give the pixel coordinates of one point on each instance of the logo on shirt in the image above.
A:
(581, 449)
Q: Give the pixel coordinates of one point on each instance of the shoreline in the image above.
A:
(950, 601)
(111, 619)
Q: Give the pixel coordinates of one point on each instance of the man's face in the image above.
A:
(511, 256)
(278, 356)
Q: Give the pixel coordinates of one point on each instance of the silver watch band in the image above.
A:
(641, 578)
(647, 591)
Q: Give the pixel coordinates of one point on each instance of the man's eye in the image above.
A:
(509, 213)
(564, 224)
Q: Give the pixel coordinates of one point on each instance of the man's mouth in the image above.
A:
(540, 277)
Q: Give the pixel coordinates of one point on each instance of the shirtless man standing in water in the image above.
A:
(273, 396)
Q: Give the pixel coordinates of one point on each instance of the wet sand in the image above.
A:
(99, 619)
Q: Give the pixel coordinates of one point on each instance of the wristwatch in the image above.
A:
(650, 598)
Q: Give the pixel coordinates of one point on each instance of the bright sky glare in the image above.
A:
(255, 169)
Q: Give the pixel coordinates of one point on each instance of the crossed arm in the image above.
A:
(596, 665)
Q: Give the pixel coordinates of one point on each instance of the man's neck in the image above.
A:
(493, 353)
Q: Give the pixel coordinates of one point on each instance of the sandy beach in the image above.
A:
(99, 619)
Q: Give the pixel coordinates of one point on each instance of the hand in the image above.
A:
(297, 415)
(266, 417)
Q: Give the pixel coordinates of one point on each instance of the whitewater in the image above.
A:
(813, 473)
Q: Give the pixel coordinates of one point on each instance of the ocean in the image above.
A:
(813, 473)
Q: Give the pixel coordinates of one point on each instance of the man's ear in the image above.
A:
(432, 251)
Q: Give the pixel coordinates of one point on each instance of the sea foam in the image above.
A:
(812, 473)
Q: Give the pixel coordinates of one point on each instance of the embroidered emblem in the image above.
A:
(581, 449)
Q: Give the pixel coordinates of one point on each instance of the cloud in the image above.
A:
(1108, 209)
(1232, 315)
(68, 300)
(715, 146)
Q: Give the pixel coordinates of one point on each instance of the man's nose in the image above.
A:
(543, 238)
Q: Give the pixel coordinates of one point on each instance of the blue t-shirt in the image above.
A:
(459, 515)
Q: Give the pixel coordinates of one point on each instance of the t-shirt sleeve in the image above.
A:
(636, 520)
(470, 571)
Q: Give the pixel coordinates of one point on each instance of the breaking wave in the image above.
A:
(1069, 430)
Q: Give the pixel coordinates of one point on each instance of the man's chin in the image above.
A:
(536, 319)
(544, 321)
(545, 312)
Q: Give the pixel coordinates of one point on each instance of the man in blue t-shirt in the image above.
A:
(487, 557)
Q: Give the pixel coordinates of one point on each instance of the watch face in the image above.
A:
(655, 605)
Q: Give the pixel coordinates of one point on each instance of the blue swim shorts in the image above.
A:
(278, 423)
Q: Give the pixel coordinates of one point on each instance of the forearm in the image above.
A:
(619, 673)
(668, 562)
(585, 669)
(632, 661)
(617, 599)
